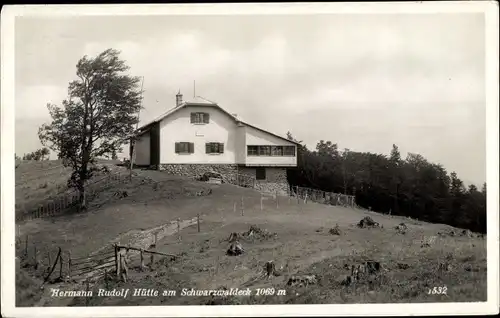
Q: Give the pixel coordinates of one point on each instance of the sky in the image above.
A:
(363, 81)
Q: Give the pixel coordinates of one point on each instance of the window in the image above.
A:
(264, 150)
(289, 151)
(275, 151)
(184, 147)
(214, 147)
(253, 150)
(200, 118)
(260, 173)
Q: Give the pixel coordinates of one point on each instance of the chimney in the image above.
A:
(178, 99)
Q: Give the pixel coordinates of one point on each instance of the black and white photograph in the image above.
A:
(216, 159)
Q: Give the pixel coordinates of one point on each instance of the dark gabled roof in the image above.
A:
(199, 101)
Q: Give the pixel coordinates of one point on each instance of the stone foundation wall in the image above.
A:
(275, 179)
(243, 176)
(197, 170)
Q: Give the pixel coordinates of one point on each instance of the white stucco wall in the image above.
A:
(142, 152)
(178, 128)
(241, 144)
(221, 128)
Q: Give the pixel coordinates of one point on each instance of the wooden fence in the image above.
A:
(125, 255)
(323, 197)
(62, 266)
(91, 267)
(43, 262)
(64, 203)
(305, 194)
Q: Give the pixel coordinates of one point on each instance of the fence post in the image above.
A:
(60, 266)
(119, 264)
(261, 199)
(179, 228)
(35, 256)
(305, 198)
(106, 278)
(242, 207)
(69, 264)
(116, 260)
(26, 246)
(297, 194)
(198, 221)
(142, 258)
(277, 204)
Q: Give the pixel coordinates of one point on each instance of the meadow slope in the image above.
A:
(298, 241)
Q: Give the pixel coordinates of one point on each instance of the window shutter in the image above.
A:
(176, 147)
(193, 117)
(207, 147)
(191, 147)
(221, 148)
(206, 118)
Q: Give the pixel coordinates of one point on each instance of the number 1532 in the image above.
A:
(438, 290)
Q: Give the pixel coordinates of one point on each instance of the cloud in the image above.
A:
(31, 101)
(365, 81)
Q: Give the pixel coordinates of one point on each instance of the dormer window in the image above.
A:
(200, 118)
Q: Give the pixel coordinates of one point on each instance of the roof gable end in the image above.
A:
(200, 101)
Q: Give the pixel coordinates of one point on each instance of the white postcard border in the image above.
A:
(490, 8)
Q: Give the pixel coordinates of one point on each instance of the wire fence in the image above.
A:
(330, 198)
(67, 202)
(301, 193)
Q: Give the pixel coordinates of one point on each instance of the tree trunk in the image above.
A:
(83, 199)
(83, 177)
(83, 195)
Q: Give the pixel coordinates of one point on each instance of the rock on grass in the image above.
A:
(256, 233)
(235, 249)
(302, 280)
(335, 230)
(368, 222)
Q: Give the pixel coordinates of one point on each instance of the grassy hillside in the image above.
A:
(38, 181)
(298, 240)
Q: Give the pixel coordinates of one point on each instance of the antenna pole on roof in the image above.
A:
(194, 89)
(132, 142)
